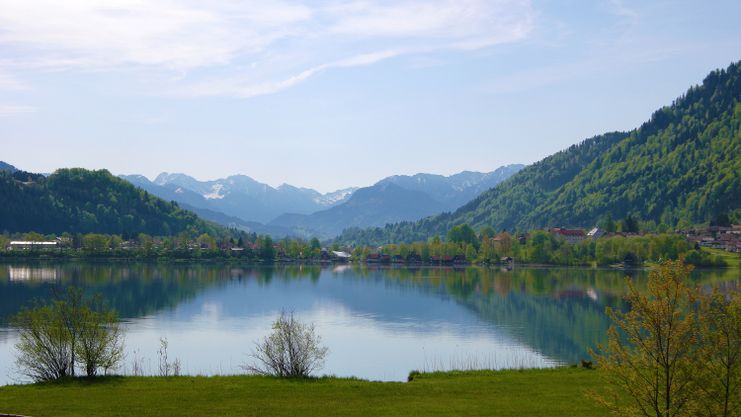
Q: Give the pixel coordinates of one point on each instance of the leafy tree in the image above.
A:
(629, 224)
(608, 223)
(73, 330)
(45, 352)
(651, 348)
(100, 344)
(719, 361)
(267, 252)
(463, 233)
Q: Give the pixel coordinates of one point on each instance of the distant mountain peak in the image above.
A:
(4, 166)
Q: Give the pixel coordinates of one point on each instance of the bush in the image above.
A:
(70, 332)
(292, 350)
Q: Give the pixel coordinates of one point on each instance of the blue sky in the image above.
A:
(329, 94)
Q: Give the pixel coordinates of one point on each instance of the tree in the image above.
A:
(267, 252)
(719, 359)
(463, 233)
(167, 368)
(100, 343)
(629, 224)
(71, 310)
(651, 348)
(470, 252)
(608, 223)
(292, 350)
(54, 337)
(44, 351)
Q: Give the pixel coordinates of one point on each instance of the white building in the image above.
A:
(31, 244)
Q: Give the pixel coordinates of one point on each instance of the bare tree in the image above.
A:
(137, 365)
(167, 368)
(292, 350)
(164, 365)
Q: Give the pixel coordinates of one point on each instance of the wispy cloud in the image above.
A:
(245, 48)
(9, 82)
(7, 110)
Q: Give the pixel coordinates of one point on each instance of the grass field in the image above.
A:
(559, 392)
(732, 259)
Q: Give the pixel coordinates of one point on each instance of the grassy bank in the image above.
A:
(733, 260)
(503, 393)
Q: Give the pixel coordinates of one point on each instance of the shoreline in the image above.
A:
(323, 264)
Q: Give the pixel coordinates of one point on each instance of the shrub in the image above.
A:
(292, 350)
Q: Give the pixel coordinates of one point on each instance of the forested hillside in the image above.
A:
(82, 201)
(679, 168)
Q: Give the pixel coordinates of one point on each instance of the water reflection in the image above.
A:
(32, 274)
(379, 323)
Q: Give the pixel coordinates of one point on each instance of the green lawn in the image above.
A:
(559, 392)
(732, 259)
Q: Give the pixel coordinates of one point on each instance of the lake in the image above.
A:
(379, 323)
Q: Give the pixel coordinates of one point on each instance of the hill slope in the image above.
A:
(679, 168)
(4, 166)
(78, 200)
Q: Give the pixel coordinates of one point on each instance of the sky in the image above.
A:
(330, 94)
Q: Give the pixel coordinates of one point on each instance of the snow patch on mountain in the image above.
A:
(215, 193)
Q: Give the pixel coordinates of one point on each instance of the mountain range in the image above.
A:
(681, 167)
(241, 202)
(394, 199)
(239, 196)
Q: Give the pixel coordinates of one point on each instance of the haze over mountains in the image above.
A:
(397, 198)
(242, 202)
(239, 195)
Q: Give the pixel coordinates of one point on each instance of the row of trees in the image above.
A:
(486, 247)
(247, 246)
(542, 247)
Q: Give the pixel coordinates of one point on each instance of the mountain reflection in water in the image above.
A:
(379, 323)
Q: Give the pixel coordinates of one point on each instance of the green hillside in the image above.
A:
(681, 167)
(82, 201)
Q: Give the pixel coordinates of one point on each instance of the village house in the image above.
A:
(595, 233)
(341, 256)
(726, 238)
(570, 235)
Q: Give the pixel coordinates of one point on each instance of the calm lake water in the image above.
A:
(378, 323)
